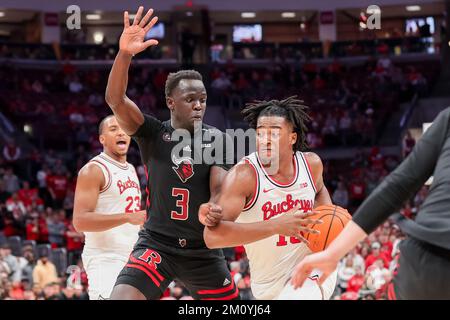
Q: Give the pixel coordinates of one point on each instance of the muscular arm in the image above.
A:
(216, 179)
(316, 166)
(132, 41)
(127, 113)
(236, 189)
(89, 182)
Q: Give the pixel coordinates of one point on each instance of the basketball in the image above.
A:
(334, 220)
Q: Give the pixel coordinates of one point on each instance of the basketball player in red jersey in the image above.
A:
(258, 200)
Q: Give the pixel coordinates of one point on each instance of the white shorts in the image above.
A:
(311, 290)
(102, 271)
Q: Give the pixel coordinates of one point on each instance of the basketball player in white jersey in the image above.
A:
(107, 210)
(265, 201)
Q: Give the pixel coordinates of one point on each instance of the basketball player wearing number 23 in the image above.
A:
(267, 200)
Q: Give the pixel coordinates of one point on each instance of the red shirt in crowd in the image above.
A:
(386, 249)
(58, 185)
(27, 195)
(355, 283)
(32, 231)
(370, 259)
(357, 190)
(239, 251)
(73, 243)
(43, 230)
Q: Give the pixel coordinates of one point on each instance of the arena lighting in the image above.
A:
(2, 14)
(288, 14)
(413, 8)
(98, 37)
(302, 26)
(28, 129)
(248, 14)
(93, 16)
(189, 14)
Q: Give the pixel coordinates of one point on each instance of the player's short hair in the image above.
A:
(292, 109)
(174, 78)
(102, 123)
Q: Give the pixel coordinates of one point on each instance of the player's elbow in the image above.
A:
(211, 238)
(112, 99)
(78, 223)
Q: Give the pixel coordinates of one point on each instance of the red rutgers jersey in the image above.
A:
(272, 259)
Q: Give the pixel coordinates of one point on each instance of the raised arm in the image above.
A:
(89, 183)
(127, 113)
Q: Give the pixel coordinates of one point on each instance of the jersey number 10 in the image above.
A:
(282, 241)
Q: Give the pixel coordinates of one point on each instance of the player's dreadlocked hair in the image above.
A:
(292, 109)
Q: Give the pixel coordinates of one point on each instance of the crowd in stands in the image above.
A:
(349, 105)
(74, 46)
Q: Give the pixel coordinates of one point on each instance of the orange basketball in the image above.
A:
(334, 220)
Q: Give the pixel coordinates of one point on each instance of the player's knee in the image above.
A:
(126, 292)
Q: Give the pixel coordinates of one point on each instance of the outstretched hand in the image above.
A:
(132, 40)
(323, 261)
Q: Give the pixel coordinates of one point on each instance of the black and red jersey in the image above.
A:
(177, 182)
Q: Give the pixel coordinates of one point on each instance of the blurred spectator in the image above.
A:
(346, 270)
(26, 264)
(407, 211)
(75, 86)
(29, 295)
(235, 268)
(4, 195)
(377, 274)
(222, 84)
(32, 229)
(357, 193)
(56, 230)
(16, 206)
(11, 181)
(345, 124)
(357, 259)
(74, 243)
(12, 262)
(376, 255)
(27, 194)
(44, 274)
(356, 281)
(57, 184)
(340, 195)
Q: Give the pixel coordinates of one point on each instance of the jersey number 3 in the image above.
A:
(182, 196)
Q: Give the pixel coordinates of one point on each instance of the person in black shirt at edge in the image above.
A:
(171, 245)
(423, 270)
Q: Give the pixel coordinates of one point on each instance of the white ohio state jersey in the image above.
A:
(120, 194)
(273, 259)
